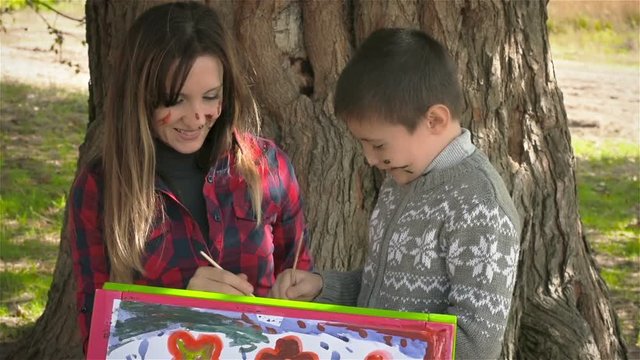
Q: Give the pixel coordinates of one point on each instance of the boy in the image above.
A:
(444, 235)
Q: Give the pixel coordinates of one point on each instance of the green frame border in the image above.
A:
(440, 318)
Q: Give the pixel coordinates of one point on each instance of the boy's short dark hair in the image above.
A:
(395, 76)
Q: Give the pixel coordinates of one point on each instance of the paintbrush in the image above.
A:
(215, 264)
(210, 260)
(295, 259)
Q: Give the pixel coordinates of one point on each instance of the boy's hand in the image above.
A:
(207, 278)
(299, 285)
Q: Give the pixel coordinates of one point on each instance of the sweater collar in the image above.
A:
(457, 150)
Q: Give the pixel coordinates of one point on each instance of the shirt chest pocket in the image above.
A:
(160, 229)
(254, 238)
(160, 252)
(243, 206)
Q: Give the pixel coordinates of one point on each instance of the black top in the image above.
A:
(186, 179)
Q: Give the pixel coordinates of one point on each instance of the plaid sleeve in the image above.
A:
(289, 228)
(84, 229)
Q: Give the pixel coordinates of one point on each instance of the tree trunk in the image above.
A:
(294, 51)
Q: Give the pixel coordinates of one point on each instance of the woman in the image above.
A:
(178, 174)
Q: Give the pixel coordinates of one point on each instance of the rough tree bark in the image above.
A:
(293, 52)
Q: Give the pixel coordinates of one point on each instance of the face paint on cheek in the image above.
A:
(209, 119)
(403, 168)
(165, 120)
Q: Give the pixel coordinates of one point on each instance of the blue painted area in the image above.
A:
(142, 349)
(414, 348)
(335, 356)
(324, 345)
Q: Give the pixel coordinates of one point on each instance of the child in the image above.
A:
(444, 234)
(178, 176)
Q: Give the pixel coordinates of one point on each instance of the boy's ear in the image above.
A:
(437, 118)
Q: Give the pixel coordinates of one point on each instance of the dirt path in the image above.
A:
(601, 101)
(25, 55)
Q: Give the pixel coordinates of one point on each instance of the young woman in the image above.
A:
(178, 173)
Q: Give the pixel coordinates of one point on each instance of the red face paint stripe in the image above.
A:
(165, 120)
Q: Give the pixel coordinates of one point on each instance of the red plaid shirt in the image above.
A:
(172, 251)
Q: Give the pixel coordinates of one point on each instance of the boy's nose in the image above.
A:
(371, 160)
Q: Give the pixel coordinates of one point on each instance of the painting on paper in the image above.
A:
(147, 323)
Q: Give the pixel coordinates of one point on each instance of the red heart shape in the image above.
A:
(181, 343)
(288, 347)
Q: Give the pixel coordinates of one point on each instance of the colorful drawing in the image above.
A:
(183, 346)
(288, 347)
(141, 322)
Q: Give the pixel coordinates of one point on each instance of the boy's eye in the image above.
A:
(378, 147)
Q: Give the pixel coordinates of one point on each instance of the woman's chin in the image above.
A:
(186, 147)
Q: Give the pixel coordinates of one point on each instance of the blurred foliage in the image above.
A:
(12, 5)
(595, 31)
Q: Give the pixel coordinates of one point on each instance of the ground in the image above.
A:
(602, 101)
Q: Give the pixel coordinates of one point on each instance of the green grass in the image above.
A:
(605, 46)
(609, 191)
(607, 175)
(26, 296)
(41, 129)
(12, 5)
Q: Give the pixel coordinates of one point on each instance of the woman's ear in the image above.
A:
(437, 118)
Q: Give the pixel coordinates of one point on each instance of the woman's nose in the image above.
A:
(198, 117)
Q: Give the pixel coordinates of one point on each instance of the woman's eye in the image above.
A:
(378, 147)
(210, 97)
(170, 103)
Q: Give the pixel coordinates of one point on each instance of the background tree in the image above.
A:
(294, 51)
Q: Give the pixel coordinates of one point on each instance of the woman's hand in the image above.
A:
(297, 285)
(207, 278)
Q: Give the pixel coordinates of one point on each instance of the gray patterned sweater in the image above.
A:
(446, 243)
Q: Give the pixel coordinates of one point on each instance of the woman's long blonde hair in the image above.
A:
(160, 49)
